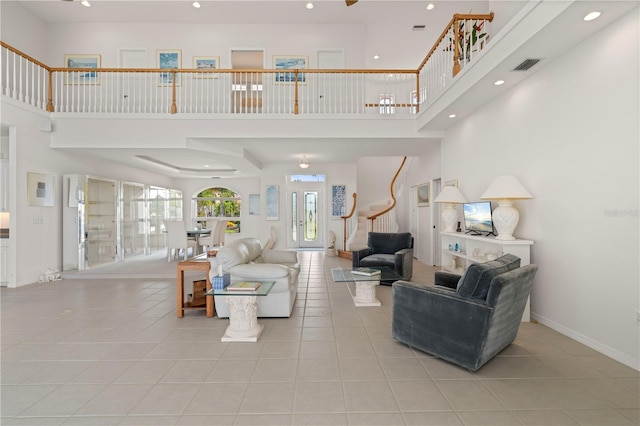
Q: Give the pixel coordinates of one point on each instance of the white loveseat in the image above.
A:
(245, 260)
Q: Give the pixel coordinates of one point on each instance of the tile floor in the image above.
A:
(111, 351)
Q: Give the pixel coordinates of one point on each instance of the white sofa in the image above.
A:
(245, 260)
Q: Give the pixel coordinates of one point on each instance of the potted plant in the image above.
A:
(467, 40)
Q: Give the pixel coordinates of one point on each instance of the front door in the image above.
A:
(306, 212)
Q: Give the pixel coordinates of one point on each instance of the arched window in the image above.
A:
(217, 203)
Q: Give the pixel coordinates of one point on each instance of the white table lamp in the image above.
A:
(505, 189)
(450, 196)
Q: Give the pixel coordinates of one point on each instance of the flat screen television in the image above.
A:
(477, 218)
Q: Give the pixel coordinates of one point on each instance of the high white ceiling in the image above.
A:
(398, 17)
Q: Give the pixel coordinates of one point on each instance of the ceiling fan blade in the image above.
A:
(351, 2)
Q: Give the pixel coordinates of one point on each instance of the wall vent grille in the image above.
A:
(526, 64)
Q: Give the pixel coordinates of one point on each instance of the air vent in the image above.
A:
(419, 27)
(526, 64)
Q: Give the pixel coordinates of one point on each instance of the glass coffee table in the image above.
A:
(365, 285)
(243, 312)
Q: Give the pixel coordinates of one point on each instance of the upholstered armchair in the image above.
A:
(394, 250)
(470, 324)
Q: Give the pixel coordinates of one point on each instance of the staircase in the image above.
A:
(376, 217)
(359, 239)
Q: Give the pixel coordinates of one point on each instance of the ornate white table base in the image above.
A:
(366, 293)
(243, 319)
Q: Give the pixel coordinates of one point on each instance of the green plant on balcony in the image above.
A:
(467, 40)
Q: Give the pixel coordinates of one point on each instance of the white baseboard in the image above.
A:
(593, 344)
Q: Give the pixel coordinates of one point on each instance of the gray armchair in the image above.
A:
(394, 250)
(468, 325)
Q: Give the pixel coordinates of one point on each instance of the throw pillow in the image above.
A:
(474, 283)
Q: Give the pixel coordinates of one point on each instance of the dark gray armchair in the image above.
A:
(394, 250)
(468, 325)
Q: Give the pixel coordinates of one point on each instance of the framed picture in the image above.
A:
(40, 190)
(452, 182)
(423, 195)
(338, 201)
(254, 204)
(169, 59)
(281, 62)
(206, 63)
(82, 61)
(273, 202)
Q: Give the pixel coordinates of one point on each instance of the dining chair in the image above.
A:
(177, 239)
(216, 237)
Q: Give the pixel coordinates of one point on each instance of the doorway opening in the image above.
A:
(306, 211)
(246, 87)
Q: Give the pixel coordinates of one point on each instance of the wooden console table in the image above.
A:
(198, 263)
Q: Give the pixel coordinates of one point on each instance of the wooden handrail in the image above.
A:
(344, 221)
(233, 71)
(456, 68)
(24, 55)
(393, 197)
(457, 17)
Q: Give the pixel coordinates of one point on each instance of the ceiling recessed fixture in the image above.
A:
(309, 6)
(376, 56)
(591, 16)
(431, 6)
(498, 82)
(419, 27)
(85, 3)
(452, 116)
(206, 166)
(196, 4)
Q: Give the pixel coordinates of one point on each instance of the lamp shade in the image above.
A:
(506, 188)
(450, 194)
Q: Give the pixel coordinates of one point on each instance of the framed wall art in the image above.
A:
(423, 195)
(40, 189)
(273, 202)
(282, 62)
(206, 63)
(338, 201)
(82, 61)
(452, 182)
(168, 59)
(254, 204)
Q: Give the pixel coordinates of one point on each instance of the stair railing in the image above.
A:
(206, 91)
(349, 223)
(383, 218)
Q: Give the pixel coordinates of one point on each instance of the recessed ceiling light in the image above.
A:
(431, 6)
(196, 4)
(206, 166)
(376, 57)
(85, 3)
(591, 16)
(309, 6)
(452, 116)
(498, 82)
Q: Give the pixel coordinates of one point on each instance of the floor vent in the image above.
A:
(419, 27)
(526, 64)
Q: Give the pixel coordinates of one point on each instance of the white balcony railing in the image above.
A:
(394, 93)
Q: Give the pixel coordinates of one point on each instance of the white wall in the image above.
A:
(39, 246)
(421, 170)
(204, 40)
(570, 134)
(274, 174)
(23, 31)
